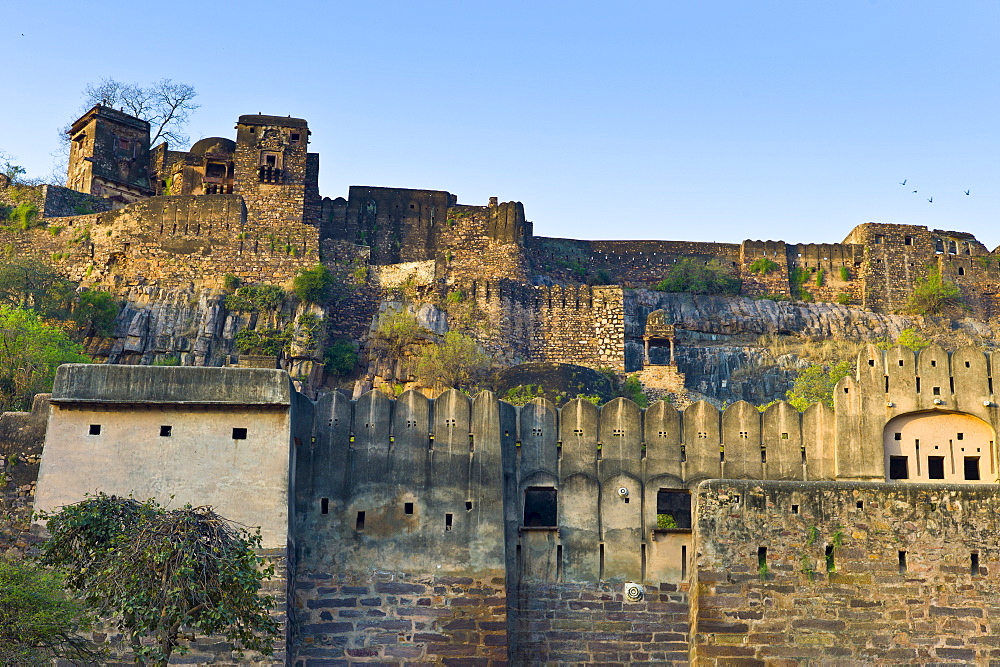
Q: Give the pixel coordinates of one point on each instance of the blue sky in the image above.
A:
(660, 120)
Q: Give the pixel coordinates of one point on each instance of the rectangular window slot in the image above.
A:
(972, 467)
(540, 507)
(784, 436)
(795, 509)
(165, 431)
(600, 564)
(559, 563)
(960, 436)
(448, 521)
(898, 467)
(974, 564)
(239, 434)
(935, 467)
(95, 429)
(831, 564)
(900, 362)
(871, 362)
(967, 364)
(761, 558)
(936, 391)
(861, 505)
(918, 385)
(897, 436)
(324, 505)
(359, 524)
(933, 363)
(684, 561)
(902, 562)
(468, 505)
(407, 508)
(472, 443)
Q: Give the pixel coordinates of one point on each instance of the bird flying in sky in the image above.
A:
(966, 192)
(904, 182)
(931, 200)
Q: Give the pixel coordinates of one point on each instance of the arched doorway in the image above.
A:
(939, 447)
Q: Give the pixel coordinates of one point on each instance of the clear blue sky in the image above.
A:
(663, 120)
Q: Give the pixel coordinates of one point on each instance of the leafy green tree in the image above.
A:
(457, 361)
(911, 339)
(38, 620)
(340, 357)
(815, 384)
(164, 575)
(95, 311)
(632, 390)
(31, 284)
(763, 266)
(933, 295)
(314, 285)
(254, 297)
(268, 341)
(30, 352)
(688, 275)
(394, 333)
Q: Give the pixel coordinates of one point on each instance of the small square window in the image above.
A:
(239, 434)
(897, 436)
(407, 508)
(960, 436)
(296, 137)
(95, 429)
(165, 431)
(908, 240)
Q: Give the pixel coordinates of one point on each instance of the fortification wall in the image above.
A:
(22, 435)
(170, 241)
(856, 573)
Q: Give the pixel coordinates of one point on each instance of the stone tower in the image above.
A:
(109, 155)
(270, 167)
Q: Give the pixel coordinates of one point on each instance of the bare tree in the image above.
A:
(165, 105)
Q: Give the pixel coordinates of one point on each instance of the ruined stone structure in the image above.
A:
(470, 531)
(250, 206)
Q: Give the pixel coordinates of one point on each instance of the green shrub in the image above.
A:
(933, 295)
(313, 285)
(230, 282)
(455, 296)
(340, 357)
(815, 384)
(83, 209)
(632, 390)
(843, 299)
(23, 215)
(255, 297)
(666, 522)
(845, 273)
(763, 266)
(523, 393)
(269, 342)
(911, 339)
(95, 312)
(169, 360)
(688, 275)
(818, 277)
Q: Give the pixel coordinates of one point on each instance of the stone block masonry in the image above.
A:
(591, 623)
(394, 619)
(852, 572)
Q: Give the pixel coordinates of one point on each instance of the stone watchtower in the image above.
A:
(663, 379)
(270, 167)
(109, 155)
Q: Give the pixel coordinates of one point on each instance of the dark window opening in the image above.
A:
(897, 436)
(961, 270)
(271, 160)
(908, 240)
(676, 505)
(972, 467)
(902, 561)
(831, 564)
(468, 505)
(871, 362)
(95, 429)
(540, 507)
(795, 509)
(784, 436)
(448, 520)
(762, 558)
(359, 524)
(165, 431)
(935, 467)
(861, 505)
(879, 238)
(974, 563)
(296, 137)
(899, 467)
(239, 434)
(324, 505)
(960, 436)
(407, 508)
(967, 364)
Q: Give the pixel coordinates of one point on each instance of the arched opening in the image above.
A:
(939, 447)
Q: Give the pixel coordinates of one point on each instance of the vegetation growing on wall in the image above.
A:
(164, 575)
(266, 341)
(815, 384)
(934, 295)
(340, 357)
(763, 266)
(688, 275)
(314, 285)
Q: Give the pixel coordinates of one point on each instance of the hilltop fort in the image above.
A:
(463, 530)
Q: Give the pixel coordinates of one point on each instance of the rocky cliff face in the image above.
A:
(193, 327)
(737, 348)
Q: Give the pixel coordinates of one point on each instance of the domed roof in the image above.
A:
(215, 145)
